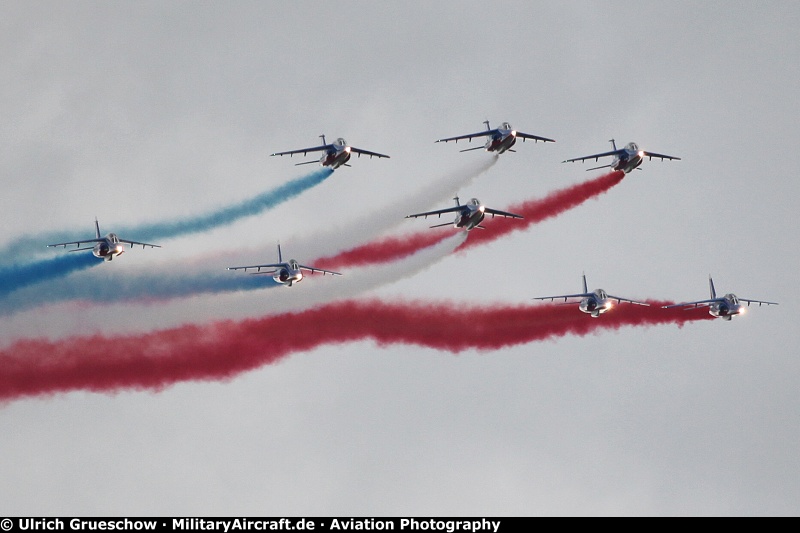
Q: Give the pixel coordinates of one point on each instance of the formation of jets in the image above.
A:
(107, 247)
(467, 217)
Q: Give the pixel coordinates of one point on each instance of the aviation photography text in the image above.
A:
(227, 525)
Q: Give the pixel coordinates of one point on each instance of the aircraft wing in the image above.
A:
(564, 296)
(313, 269)
(142, 244)
(524, 136)
(595, 156)
(759, 302)
(651, 155)
(76, 243)
(694, 304)
(359, 151)
(437, 212)
(304, 151)
(259, 267)
(469, 136)
(618, 299)
(494, 212)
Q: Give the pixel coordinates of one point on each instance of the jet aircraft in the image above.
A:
(625, 159)
(334, 154)
(500, 139)
(593, 303)
(468, 216)
(107, 247)
(725, 307)
(285, 272)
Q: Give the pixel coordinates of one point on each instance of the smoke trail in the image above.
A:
(552, 205)
(186, 226)
(534, 211)
(379, 221)
(381, 251)
(146, 288)
(182, 283)
(230, 214)
(17, 276)
(222, 350)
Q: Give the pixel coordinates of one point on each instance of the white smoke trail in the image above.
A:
(84, 317)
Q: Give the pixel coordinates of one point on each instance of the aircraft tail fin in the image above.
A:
(487, 125)
(711, 287)
(585, 288)
(323, 139)
(613, 143)
(457, 202)
(280, 257)
(96, 228)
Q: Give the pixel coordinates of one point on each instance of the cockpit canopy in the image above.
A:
(340, 142)
(732, 298)
(633, 147)
(112, 237)
(293, 264)
(506, 126)
(475, 201)
(601, 294)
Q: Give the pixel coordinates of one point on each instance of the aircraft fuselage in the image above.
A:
(727, 308)
(288, 274)
(502, 141)
(108, 248)
(469, 217)
(596, 304)
(335, 158)
(629, 160)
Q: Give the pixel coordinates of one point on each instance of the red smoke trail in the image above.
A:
(225, 349)
(552, 205)
(382, 251)
(534, 211)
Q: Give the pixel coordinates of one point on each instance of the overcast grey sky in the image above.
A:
(142, 111)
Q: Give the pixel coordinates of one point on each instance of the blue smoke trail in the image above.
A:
(16, 276)
(187, 226)
(111, 286)
(228, 215)
(133, 287)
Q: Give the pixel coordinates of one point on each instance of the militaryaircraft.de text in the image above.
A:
(107, 247)
(334, 154)
(500, 139)
(284, 272)
(593, 303)
(625, 159)
(468, 215)
(725, 307)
